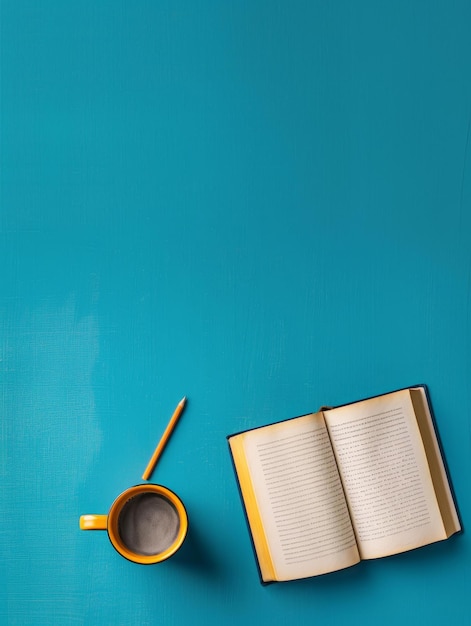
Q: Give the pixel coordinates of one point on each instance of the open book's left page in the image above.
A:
(294, 499)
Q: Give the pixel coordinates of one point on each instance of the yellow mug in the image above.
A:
(146, 523)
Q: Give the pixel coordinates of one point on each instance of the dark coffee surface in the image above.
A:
(148, 524)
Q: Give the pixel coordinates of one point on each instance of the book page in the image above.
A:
(385, 474)
(300, 498)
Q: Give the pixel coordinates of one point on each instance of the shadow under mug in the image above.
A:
(146, 523)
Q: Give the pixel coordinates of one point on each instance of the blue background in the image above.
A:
(265, 206)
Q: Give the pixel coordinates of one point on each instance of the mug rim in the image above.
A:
(116, 508)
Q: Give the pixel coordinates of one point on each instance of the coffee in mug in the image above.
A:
(146, 523)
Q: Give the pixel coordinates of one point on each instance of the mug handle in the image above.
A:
(93, 522)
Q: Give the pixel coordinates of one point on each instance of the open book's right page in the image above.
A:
(386, 476)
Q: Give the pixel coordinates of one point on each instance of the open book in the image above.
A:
(323, 491)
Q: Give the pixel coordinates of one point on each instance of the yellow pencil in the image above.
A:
(165, 437)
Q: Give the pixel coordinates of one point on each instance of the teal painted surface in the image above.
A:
(265, 206)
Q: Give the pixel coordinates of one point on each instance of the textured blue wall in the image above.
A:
(265, 206)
